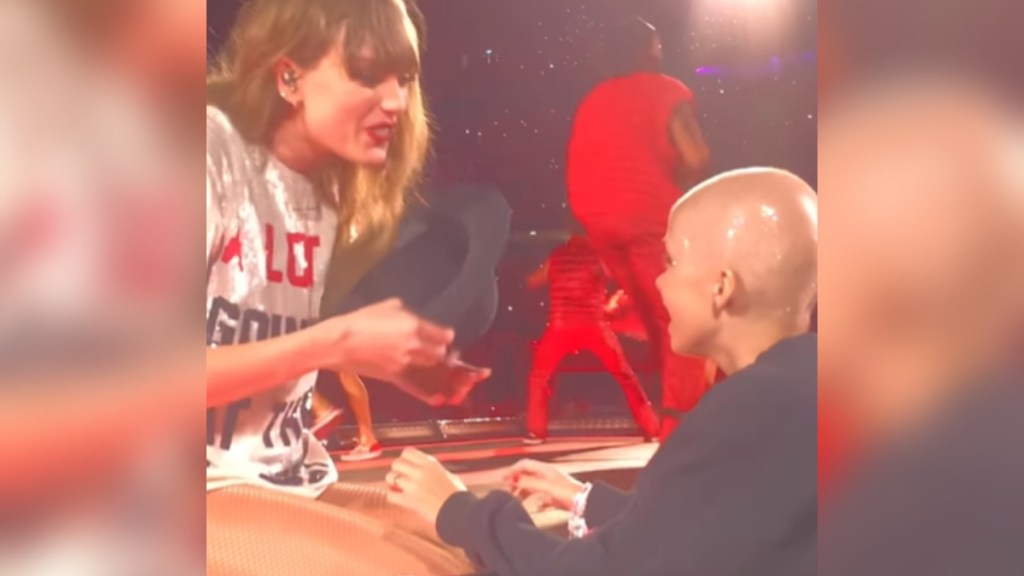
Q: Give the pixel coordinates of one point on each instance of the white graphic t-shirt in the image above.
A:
(268, 243)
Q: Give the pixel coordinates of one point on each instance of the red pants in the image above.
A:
(635, 264)
(560, 340)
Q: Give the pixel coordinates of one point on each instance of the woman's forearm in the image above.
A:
(239, 371)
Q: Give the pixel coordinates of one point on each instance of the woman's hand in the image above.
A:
(448, 383)
(387, 342)
(380, 341)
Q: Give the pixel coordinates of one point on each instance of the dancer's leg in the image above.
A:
(548, 354)
(603, 343)
(359, 400)
(326, 415)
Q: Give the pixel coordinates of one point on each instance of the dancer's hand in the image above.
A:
(538, 278)
(617, 303)
(630, 325)
(623, 317)
(418, 482)
(542, 483)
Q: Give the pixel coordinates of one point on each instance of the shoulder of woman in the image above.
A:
(220, 132)
(225, 152)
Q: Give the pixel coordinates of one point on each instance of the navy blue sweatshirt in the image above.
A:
(945, 503)
(732, 492)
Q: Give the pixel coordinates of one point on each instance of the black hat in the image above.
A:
(443, 263)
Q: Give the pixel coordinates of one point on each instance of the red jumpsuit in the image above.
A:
(576, 322)
(622, 179)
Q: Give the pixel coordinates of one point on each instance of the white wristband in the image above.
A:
(578, 522)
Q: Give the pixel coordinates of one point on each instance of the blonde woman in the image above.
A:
(315, 126)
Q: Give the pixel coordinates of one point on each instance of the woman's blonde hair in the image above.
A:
(243, 84)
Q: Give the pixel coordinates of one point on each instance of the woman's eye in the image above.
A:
(373, 80)
(369, 80)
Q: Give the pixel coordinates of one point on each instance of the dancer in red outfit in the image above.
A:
(577, 321)
(635, 147)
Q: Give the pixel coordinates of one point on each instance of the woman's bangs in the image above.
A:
(376, 41)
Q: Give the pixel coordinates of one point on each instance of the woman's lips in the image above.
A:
(381, 135)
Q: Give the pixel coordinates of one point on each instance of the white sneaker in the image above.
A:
(361, 452)
(533, 440)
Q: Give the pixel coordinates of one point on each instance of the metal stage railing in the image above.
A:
(399, 433)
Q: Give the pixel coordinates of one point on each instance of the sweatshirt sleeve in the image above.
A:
(497, 533)
(734, 481)
(605, 503)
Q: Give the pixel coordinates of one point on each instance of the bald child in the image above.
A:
(733, 489)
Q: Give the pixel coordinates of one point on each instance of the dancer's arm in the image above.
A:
(539, 277)
(688, 139)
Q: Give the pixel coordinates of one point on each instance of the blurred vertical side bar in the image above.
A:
(921, 297)
(101, 354)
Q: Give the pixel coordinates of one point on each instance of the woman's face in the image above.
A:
(353, 113)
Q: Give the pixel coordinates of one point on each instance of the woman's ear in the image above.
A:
(287, 75)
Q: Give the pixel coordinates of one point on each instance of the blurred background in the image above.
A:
(101, 366)
(503, 80)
